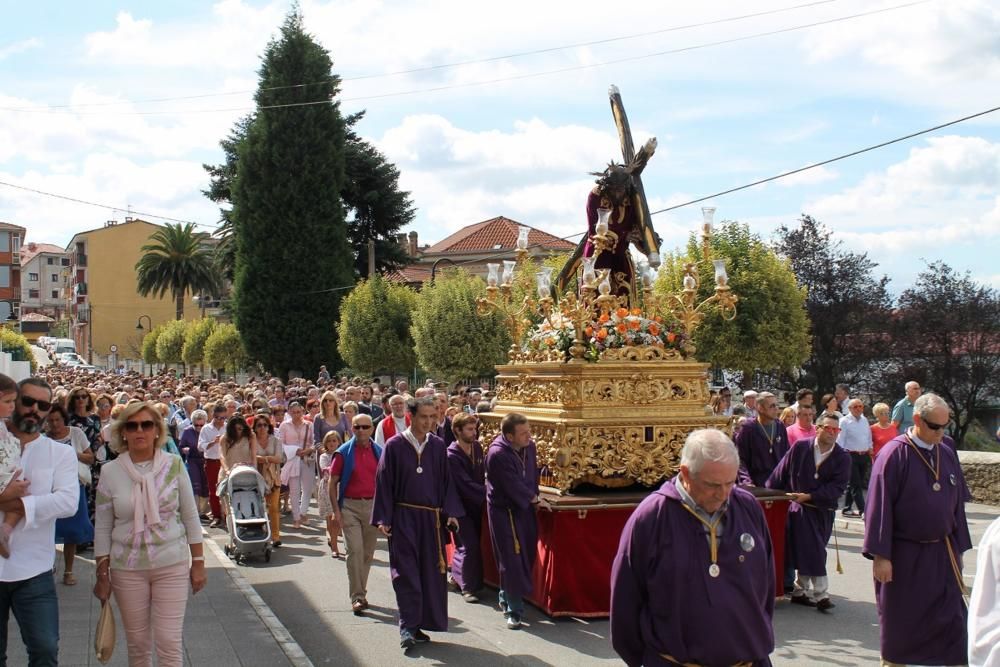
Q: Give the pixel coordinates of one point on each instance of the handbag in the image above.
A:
(104, 636)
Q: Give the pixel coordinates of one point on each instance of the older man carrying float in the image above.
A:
(694, 558)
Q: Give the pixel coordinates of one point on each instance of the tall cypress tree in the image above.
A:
(288, 218)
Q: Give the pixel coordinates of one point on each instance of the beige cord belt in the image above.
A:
(675, 661)
(437, 529)
(513, 531)
(958, 572)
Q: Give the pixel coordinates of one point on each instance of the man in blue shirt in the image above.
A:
(902, 413)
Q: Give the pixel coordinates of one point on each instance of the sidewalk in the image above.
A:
(226, 625)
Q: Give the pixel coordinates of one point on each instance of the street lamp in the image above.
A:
(138, 324)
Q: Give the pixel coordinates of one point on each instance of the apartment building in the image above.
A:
(44, 277)
(11, 237)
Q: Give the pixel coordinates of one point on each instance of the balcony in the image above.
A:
(81, 259)
(15, 259)
(82, 313)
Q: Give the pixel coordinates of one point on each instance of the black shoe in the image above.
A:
(803, 600)
(825, 605)
(406, 640)
(513, 621)
(421, 636)
(276, 544)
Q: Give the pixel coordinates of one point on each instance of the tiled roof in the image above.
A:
(27, 253)
(36, 317)
(495, 234)
(13, 227)
(410, 274)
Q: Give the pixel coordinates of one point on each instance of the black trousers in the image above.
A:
(861, 466)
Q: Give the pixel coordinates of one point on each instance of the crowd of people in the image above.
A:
(130, 466)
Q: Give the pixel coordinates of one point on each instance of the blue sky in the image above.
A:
(73, 118)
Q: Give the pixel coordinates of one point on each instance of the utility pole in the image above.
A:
(371, 258)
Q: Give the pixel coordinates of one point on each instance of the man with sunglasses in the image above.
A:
(47, 490)
(815, 471)
(916, 533)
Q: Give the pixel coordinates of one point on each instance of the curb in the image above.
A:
(296, 656)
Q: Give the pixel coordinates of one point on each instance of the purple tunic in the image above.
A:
(194, 459)
(921, 611)
(418, 538)
(758, 455)
(468, 475)
(511, 485)
(663, 600)
(809, 527)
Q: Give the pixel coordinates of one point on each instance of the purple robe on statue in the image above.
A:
(921, 611)
(416, 548)
(809, 528)
(758, 455)
(468, 475)
(511, 485)
(663, 599)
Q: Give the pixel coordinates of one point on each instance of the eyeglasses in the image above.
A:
(80, 397)
(28, 401)
(362, 427)
(198, 425)
(935, 427)
(831, 429)
(145, 425)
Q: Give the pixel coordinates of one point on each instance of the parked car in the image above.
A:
(70, 359)
(63, 345)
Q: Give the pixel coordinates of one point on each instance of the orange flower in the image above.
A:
(550, 341)
(589, 331)
(602, 334)
(636, 311)
(658, 319)
(654, 329)
(603, 318)
(621, 313)
(671, 337)
(634, 325)
(621, 327)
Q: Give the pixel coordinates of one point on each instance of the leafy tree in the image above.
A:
(452, 340)
(224, 349)
(177, 260)
(845, 301)
(193, 352)
(149, 354)
(374, 330)
(170, 342)
(771, 328)
(946, 335)
(220, 190)
(60, 329)
(287, 206)
(18, 347)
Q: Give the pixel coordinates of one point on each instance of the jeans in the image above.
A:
(36, 609)
(861, 465)
(514, 604)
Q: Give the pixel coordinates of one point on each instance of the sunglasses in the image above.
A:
(28, 401)
(81, 397)
(145, 425)
(831, 429)
(362, 427)
(935, 427)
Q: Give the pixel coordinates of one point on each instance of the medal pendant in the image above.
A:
(713, 570)
(936, 486)
(419, 470)
(815, 475)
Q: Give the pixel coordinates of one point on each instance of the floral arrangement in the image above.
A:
(616, 329)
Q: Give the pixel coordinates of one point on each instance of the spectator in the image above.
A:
(328, 418)
(804, 397)
(302, 472)
(195, 461)
(396, 420)
(803, 428)
(828, 403)
(883, 430)
(842, 392)
(146, 517)
(902, 413)
(331, 443)
(787, 417)
(77, 529)
(270, 457)
(750, 403)
(856, 437)
(208, 442)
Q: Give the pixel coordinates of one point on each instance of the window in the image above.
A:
(55, 277)
(32, 294)
(32, 277)
(65, 261)
(15, 243)
(55, 294)
(4, 241)
(5, 277)
(5, 310)
(50, 260)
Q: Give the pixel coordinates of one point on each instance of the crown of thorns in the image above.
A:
(616, 177)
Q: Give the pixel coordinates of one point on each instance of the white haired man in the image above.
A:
(856, 437)
(750, 403)
(694, 557)
(916, 533)
(902, 413)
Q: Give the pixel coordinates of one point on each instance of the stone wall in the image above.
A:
(982, 474)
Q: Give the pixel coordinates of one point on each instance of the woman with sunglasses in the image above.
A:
(328, 418)
(77, 529)
(270, 457)
(195, 461)
(148, 542)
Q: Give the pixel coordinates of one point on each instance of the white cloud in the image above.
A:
(19, 47)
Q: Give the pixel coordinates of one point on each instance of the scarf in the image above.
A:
(145, 499)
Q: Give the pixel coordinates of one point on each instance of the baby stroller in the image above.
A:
(249, 529)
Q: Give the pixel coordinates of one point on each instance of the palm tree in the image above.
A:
(177, 259)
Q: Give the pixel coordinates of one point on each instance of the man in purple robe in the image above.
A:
(761, 442)
(693, 580)
(511, 497)
(442, 428)
(468, 470)
(916, 532)
(816, 472)
(414, 498)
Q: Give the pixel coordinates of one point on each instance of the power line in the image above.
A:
(478, 61)
(127, 210)
(831, 160)
(517, 77)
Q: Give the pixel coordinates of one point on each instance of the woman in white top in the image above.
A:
(295, 434)
(148, 541)
(76, 529)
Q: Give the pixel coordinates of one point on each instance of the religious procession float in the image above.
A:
(604, 368)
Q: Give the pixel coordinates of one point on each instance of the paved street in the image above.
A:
(307, 590)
